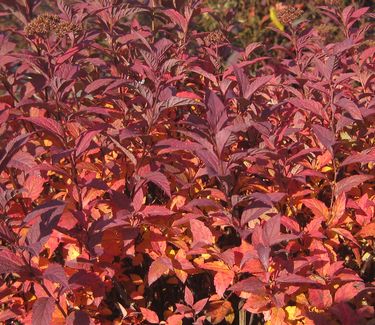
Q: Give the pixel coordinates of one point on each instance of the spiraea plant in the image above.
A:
(151, 172)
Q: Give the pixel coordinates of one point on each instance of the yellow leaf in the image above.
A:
(73, 252)
(293, 313)
(47, 143)
(275, 20)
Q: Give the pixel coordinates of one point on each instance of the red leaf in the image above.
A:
(150, 315)
(256, 84)
(4, 113)
(47, 124)
(348, 291)
(252, 284)
(222, 281)
(351, 108)
(177, 18)
(271, 231)
(308, 105)
(363, 157)
(42, 311)
(85, 141)
(320, 298)
(346, 234)
(294, 278)
(189, 298)
(34, 186)
(160, 180)
(346, 184)
(67, 55)
(175, 320)
(201, 234)
(158, 268)
(199, 305)
(23, 161)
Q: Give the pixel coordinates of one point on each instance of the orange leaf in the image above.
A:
(277, 316)
(222, 281)
(158, 268)
(317, 207)
(348, 291)
(218, 310)
(367, 231)
(256, 303)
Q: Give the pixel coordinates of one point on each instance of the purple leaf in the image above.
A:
(11, 148)
(264, 255)
(42, 311)
(251, 47)
(160, 180)
(55, 273)
(48, 209)
(78, 317)
(6, 233)
(325, 136)
(10, 262)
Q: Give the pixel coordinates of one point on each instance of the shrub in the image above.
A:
(154, 173)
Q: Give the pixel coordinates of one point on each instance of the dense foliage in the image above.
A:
(151, 172)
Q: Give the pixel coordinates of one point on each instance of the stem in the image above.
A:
(242, 317)
(56, 301)
(46, 290)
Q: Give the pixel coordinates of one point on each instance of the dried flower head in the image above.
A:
(215, 38)
(47, 23)
(66, 27)
(289, 14)
(42, 25)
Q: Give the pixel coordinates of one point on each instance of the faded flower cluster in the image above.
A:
(47, 23)
(289, 14)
